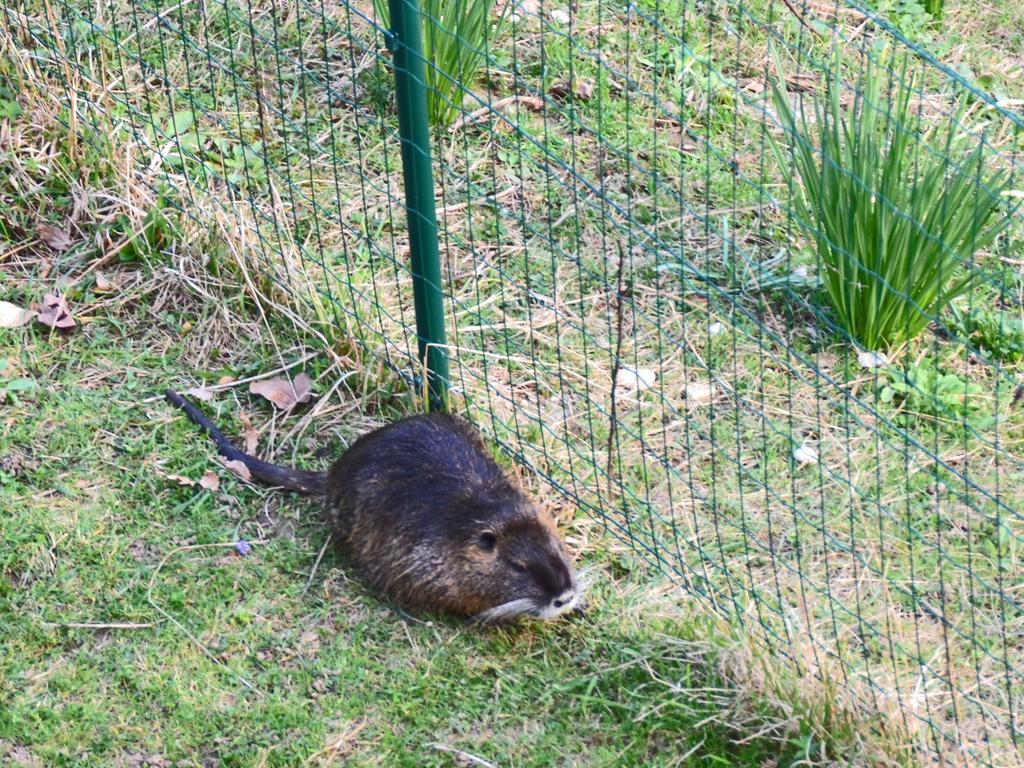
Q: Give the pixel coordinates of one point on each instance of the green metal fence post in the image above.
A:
(406, 44)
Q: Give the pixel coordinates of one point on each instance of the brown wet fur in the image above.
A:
(411, 502)
(428, 517)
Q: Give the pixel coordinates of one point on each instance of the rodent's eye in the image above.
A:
(487, 541)
(517, 566)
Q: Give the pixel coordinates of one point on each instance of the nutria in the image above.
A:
(430, 519)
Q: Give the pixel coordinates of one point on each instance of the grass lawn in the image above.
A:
(132, 632)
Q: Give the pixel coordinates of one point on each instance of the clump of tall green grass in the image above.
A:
(455, 39)
(894, 211)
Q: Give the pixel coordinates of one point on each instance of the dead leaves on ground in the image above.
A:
(531, 7)
(252, 437)
(699, 393)
(57, 238)
(54, 312)
(581, 88)
(200, 393)
(283, 393)
(633, 380)
(210, 481)
(484, 114)
(12, 316)
(104, 284)
(239, 468)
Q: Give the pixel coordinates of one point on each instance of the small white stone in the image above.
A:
(699, 393)
(636, 378)
(715, 328)
(872, 359)
(805, 454)
(800, 272)
(562, 17)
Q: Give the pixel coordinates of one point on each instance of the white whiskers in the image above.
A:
(510, 610)
(564, 603)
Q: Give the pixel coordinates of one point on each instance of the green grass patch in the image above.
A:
(133, 630)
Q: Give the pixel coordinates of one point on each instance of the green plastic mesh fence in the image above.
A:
(649, 301)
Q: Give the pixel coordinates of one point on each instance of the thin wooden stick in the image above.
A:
(617, 364)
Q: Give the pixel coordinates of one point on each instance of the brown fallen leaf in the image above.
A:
(584, 89)
(283, 393)
(309, 643)
(210, 481)
(252, 437)
(56, 237)
(104, 285)
(12, 463)
(581, 88)
(699, 393)
(22, 756)
(559, 90)
(55, 313)
(181, 479)
(12, 316)
(200, 393)
(637, 379)
(141, 551)
(239, 469)
(226, 380)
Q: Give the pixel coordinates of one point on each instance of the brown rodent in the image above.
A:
(431, 520)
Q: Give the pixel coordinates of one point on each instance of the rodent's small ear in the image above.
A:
(488, 541)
